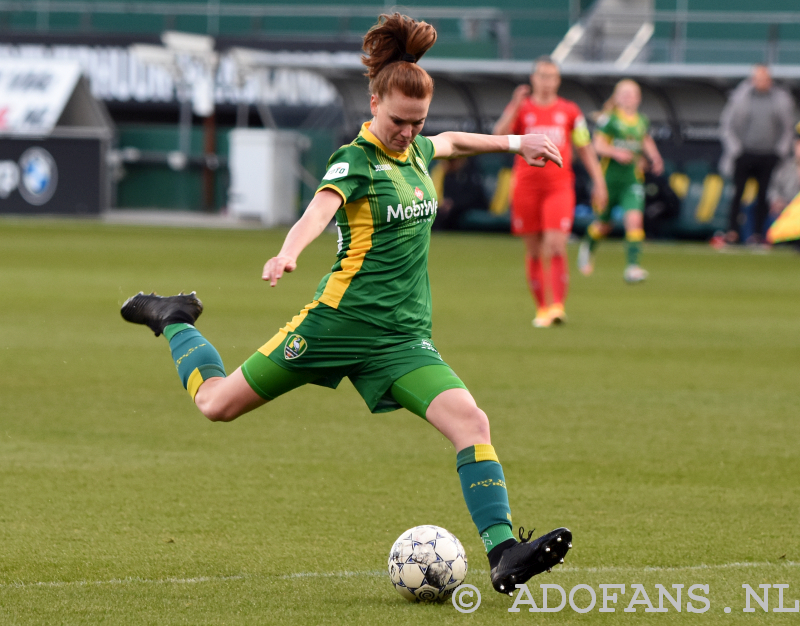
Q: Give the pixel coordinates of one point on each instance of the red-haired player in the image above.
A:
(543, 200)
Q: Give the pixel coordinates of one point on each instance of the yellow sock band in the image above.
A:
(595, 232)
(636, 234)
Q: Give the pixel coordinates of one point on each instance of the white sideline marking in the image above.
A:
(334, 574)
(135, 580)
(132, 580)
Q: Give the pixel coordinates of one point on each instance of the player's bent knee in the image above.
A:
(480, 422)
(215, 407)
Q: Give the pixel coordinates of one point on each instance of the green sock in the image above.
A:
(633, 251)
(485, 494)
(495, 535)
(195, 358)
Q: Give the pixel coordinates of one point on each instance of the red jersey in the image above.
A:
(564, 124)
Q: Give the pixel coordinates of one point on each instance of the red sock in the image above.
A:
(536, 280)
(559, 278)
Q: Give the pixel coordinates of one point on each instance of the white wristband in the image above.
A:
(514, 143)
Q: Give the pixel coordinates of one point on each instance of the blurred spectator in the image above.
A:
(462, 191)
(757, 128)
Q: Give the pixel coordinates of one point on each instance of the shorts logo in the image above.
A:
(295, 346)
(427, 345)
(418, 193)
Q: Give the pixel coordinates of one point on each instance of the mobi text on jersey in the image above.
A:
(428, 207)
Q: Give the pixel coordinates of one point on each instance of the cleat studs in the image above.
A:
(558, 539)
(569, 545)
(502, 587)
(561, 561)
(547, 549)
(549, 570)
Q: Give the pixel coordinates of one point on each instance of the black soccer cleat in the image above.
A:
(157, 312)
(526, 559)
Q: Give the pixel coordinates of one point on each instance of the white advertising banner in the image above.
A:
(115, 75)
(33, 93)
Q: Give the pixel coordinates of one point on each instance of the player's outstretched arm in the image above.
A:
(317, 216)
(535, 149)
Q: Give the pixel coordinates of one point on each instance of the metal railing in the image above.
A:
(673, 37)
(472, 22)
(681, 47)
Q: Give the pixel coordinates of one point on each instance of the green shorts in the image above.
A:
(629, 195)
(322, 345)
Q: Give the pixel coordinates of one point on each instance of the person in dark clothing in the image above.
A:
(757, 129)
(463, 191)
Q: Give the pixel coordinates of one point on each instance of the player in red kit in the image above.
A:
(543, 199)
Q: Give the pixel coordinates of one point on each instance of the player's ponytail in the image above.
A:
(393, 47)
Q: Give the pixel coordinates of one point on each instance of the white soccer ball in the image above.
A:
(427, 563)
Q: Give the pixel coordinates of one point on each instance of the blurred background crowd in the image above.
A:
(231, 108)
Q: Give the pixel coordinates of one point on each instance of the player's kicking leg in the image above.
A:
(456, 415)
(219, 397)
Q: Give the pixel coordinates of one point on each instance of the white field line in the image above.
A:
(135, 580)
(568, 569)
(132, 580)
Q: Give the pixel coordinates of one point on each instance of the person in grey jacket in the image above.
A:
(757, 127)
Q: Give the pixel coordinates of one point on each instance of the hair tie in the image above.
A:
(410, 58)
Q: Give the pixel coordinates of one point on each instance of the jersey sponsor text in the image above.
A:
(426, 208)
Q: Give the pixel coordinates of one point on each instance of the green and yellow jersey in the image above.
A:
(628, 132)
(389, 204)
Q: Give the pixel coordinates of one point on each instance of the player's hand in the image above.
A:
(599, 196)
(276, 266)
(520, 93)
(621, 155)
(537, 150)
(598, 209)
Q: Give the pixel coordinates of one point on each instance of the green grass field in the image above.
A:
(660, 425)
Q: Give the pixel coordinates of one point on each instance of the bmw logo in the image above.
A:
(38, 176)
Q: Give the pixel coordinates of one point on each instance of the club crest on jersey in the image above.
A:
(295, 346)
(418, 193)
(422, 166)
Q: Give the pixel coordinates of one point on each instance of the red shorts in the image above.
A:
(535, 209)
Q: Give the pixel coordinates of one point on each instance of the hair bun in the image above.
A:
(396, 37)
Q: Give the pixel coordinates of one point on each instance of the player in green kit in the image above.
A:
(621, 140)
(370, 318)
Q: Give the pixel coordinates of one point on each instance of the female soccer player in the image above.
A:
(621, 139)
(543, 201)
(370, 319)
